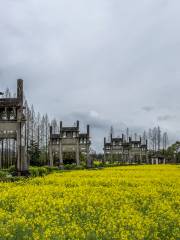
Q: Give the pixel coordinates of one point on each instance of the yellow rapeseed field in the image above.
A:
(133, 202)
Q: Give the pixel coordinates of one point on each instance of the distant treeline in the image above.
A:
(157, 139)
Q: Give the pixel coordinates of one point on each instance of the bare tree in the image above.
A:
(47, 135)
(135, 136)
(127, 134)
(158, 138)
(111, 132)
(32, 122)
(165, 140)
(144, 138)
(54, 125)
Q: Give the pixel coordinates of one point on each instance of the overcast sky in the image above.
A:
(104, 62)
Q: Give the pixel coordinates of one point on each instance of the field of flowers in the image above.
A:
(133, 202)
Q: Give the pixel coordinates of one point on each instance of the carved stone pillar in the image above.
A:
(111, 155)
(1, 156)
(18, 145)
(77, 153)
(147, 158)
(21, 164)
(140, 156)
(50, 154)
(104, 159)
(61, 164)
(89, 161)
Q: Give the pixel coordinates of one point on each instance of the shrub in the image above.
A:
(73, 167)
(12, 169)
(51, 169)
(42, 171)
(2, 174)
(97, 164)
(38, 171)
(34, 172)
(69, 166)
(79, 167)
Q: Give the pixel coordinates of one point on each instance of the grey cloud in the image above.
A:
(110, 56)
(94, 119)
(165, 117)
(91, 118)
(147, 108)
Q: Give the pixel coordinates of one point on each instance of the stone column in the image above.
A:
(1, 157)
(18, 163)
(147, 159)
(24, 165)
(21, 164)
(50, 154)
(61, 164)
(140, 156)
(2, 153)
(104, 160)
(89, 162)
(20, 90)
(77, 153)
(111, 155)
(50, 148)
(130, 158)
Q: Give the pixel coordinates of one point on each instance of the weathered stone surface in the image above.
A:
(12, 122)
(125, 151)
(69, 140)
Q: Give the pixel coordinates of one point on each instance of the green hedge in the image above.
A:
(38, 171)
(3, 174)
(73, 167)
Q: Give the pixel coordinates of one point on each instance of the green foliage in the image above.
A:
(2, 174)
(38, 171)
(79, 167)
(97, 164)
(69, 158)
(51, 169)
(69, 166)
(73, 167)
(172, 154)
(41, 171)
(34, 154)
(12, 169)
(42, 158)
(5, 176)
(82, 158)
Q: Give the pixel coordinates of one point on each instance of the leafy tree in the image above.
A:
(173, 153)
(34, 153)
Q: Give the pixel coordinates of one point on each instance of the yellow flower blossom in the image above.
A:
(132, 202)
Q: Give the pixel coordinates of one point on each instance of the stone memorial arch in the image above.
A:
(69, 140)
(12, 124)
(125, 151)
